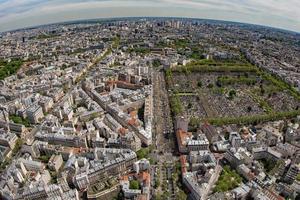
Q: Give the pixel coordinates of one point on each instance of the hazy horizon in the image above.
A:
(16, 14)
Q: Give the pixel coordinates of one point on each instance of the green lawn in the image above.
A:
(9, 68)
(176, 106)
(19, 120)
(135, 185)
(228, 180)
(142, 153)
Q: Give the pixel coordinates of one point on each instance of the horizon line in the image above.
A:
(78, 21)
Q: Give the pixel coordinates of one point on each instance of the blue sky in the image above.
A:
(23, 13)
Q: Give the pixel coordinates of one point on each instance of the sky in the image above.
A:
(283, 14)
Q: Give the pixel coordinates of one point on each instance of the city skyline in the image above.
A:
(149, 109)
(17, 14)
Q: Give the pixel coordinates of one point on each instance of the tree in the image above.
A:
(158, 196)
(156, 63)
(194, 122)
(53, 177)
(199, 84)
(249, 108)
(157, 183)
(298, 177)
(219, 83)
(181, 195)
(176, 106)
(17, 147)
(141, 111)
(134, 185)
(19, 120)
(228, 180)
(9, 68)
(232, 94)
(120, 196)
(142, 153)
(210, 85)
(45, 158)
(165, 195)
(268, 164)
(226, 135)
(262, 90)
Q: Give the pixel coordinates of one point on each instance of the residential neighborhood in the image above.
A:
(149, 108)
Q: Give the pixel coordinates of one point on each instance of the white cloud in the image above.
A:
(278, 13)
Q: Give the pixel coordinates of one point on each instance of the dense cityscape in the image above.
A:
(149, 108)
